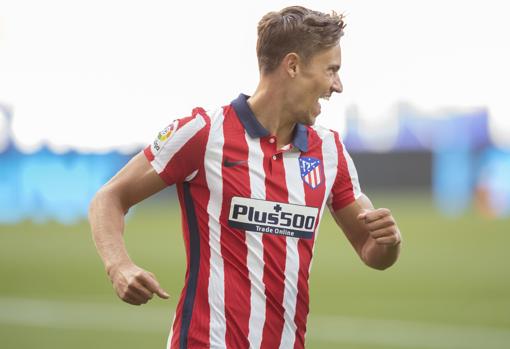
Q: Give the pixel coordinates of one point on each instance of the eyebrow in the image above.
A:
(335, 67)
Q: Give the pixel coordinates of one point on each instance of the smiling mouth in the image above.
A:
(318, 105)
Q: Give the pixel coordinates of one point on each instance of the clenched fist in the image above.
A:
(381, 226)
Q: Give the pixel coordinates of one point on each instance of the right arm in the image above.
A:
(133, 183)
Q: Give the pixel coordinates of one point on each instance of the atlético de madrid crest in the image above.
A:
(311, 171)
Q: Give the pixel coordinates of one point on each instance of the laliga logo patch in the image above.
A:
(164, 135)
(311, 171)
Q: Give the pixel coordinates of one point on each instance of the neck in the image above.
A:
(269, 105)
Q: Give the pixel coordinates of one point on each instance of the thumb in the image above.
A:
(363, 214)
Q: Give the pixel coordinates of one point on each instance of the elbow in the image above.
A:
(97, 201)
(105, 199)
(93, 206)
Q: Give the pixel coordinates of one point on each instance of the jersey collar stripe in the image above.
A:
(194, 248)
(256, 248)
(216, 287)
(247, 118)
(255, 128)
(301, 138)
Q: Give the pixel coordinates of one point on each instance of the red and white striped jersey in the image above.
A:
(250, 214)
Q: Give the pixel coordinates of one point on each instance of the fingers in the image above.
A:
(134, 294)
(388, 240)
(381, 223)
(136, 286)
(374, 215)
(153, 286)
(140, 290)
(134, 299)
(387, 236)
(381, 226)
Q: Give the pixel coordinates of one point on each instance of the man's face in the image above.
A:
(314, 80)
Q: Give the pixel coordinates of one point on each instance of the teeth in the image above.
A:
(325, 98)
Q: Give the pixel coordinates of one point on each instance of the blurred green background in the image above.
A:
(450, 288)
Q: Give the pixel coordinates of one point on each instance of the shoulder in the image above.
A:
(203, 116)
(209, 120)
(200, 120)
(325, 135)
(323, 132)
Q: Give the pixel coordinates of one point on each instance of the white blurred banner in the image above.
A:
(100, 75)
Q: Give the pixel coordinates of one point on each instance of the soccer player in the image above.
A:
(253, 179)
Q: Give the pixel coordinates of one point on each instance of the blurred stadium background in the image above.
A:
(72, 112)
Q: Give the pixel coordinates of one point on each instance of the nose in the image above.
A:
(337, 84)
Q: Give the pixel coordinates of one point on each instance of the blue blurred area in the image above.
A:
(44, 185)
(465, 169)
(418, 131)
(456, 140)
(466, 166)
(492, 190)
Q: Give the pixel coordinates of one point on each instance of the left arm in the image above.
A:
(373, 233)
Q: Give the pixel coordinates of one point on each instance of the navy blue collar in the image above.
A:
(256, 130)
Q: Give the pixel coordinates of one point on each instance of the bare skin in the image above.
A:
(373, 233)
(134, 183)
(291, 94)
(287, 96)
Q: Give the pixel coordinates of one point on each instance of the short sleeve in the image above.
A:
(346, 187)
(177, 152)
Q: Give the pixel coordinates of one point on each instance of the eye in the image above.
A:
(332, 70)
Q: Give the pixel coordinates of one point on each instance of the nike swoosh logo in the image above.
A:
(228, 163)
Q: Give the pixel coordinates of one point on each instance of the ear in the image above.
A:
(291, 63)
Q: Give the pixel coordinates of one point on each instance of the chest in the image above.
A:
(266, 173)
